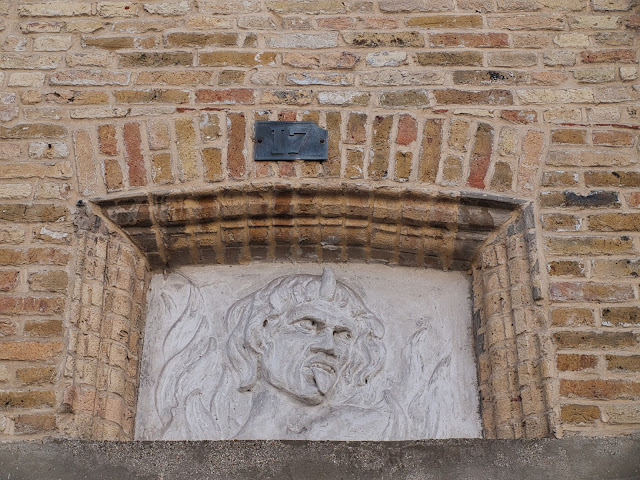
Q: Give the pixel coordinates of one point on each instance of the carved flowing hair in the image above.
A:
(208, 399)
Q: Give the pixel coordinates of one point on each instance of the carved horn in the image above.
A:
(328, 284)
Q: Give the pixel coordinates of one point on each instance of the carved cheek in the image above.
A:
(297, 343)
(342, 349)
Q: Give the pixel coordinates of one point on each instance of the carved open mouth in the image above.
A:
(323, 373)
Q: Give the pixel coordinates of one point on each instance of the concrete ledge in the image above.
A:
(566, 459)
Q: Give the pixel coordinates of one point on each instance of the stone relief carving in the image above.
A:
(303, 357)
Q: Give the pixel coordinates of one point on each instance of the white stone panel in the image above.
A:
(304, 351)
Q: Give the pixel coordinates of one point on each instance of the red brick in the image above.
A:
(407, 130)
(134, 157)
(286, 169)
(481, 156)
(618, 55)
(287, 116)
(236, 161)
(8, 280)
(31, 305)
(376, 23)
(520, 116)
(549, 78)
(107, 139)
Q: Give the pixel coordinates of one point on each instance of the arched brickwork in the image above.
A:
(489, 236)
(104, 343)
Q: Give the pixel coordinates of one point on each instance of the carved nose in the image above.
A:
(324, 342)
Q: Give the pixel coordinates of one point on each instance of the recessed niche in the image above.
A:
(308, 351)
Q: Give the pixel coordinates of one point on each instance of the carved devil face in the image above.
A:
(307, 348)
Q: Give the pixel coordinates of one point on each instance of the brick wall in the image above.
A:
(115, 114)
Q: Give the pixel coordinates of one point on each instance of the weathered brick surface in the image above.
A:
(534, 100)
(134, 156)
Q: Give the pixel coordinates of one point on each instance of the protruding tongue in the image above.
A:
(324, 380)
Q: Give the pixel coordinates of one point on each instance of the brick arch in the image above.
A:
(126, 238)
(210, 144)
(335, 222)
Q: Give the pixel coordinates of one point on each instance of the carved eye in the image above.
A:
(343, 334)
(307, 324)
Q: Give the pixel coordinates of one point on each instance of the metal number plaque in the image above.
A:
(290, 141)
